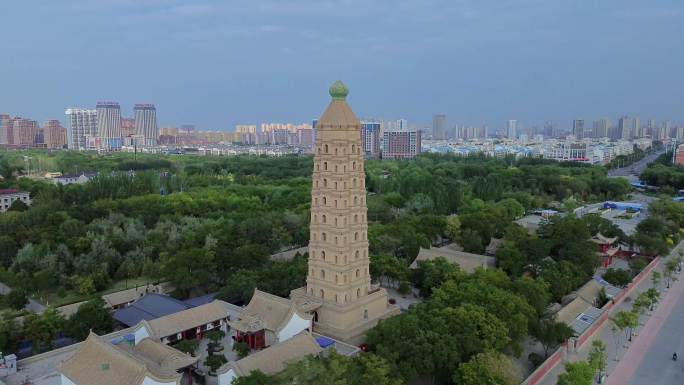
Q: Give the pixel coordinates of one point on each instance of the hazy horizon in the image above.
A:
(216, 64)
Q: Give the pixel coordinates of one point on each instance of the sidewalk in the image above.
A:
(616, 349)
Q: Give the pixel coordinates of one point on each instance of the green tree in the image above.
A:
(598, 357)
(16, 299)
(655, 278)
(215, 361)
(9, 332)
(488, 369)
(241, 348)
(577, 373)
(653, 296)
(551, 334)
(671, 267)
(255, 377)
(453, 228)
(91, 316)
(617, 277)
(430, 274)
(188, 346)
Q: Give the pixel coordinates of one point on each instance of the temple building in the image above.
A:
(338, 277)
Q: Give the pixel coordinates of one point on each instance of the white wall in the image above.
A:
(294, 326)
(227, 377)
(141, 333)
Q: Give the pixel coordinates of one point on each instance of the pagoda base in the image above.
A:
(350, 322)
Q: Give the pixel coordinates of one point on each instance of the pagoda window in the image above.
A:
(335, 221)
(323, 255)
(353, 165)
(353, 149)
(356, 218)
(323, 236)
(326, 148)
(365, 313)
(325, 183)
(325, 201)
(358, 273)
(322, 293)
(356, 236)
(325, 166)
(322, 274)
(358, 293)
(357, 254)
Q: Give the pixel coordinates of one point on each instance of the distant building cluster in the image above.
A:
(18, 132)
(626, 128)
(588, 151)
(104, 129)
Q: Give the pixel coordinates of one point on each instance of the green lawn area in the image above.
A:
(52, 299)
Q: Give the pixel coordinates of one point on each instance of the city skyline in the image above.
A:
(217, 65)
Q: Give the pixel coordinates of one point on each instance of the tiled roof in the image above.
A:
(99, 362)
(273, 360)
(188, 319)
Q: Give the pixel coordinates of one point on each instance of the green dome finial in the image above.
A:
(338, 91)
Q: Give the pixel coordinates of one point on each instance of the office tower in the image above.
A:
(338, 273)
(146, 123)
(5, 129)
(578, 128)
(127, 127)
(548, 129)
(54, 135)
(667, 129)
(400, 144)
(439, 126)
(512, 129)
(636, 128)
(601, 128)
(24, 131)
(81, 124)
(109, 125)
(651, 127)
(370, 139)
(624, 128)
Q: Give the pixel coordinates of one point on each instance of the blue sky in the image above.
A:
(221, 63)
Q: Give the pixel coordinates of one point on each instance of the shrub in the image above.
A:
(617, 277)
(241, 348)
(535, 359)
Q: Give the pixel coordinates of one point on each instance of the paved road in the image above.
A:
(657, 367)
(633, 171)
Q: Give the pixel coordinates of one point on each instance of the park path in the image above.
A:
(616, 347)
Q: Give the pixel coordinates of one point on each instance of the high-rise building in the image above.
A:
(400, 144)
(439, 124)
(54, 135)
(81, 124)
(601, 128)
(370, 139)
(578, 128)
(128, 127)
(624, 129)
(5, 132)
(338, 273)
(24, 131)
(667, 129)
(146, 123)
(636, 128)
(512, 129)
(109, 125)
